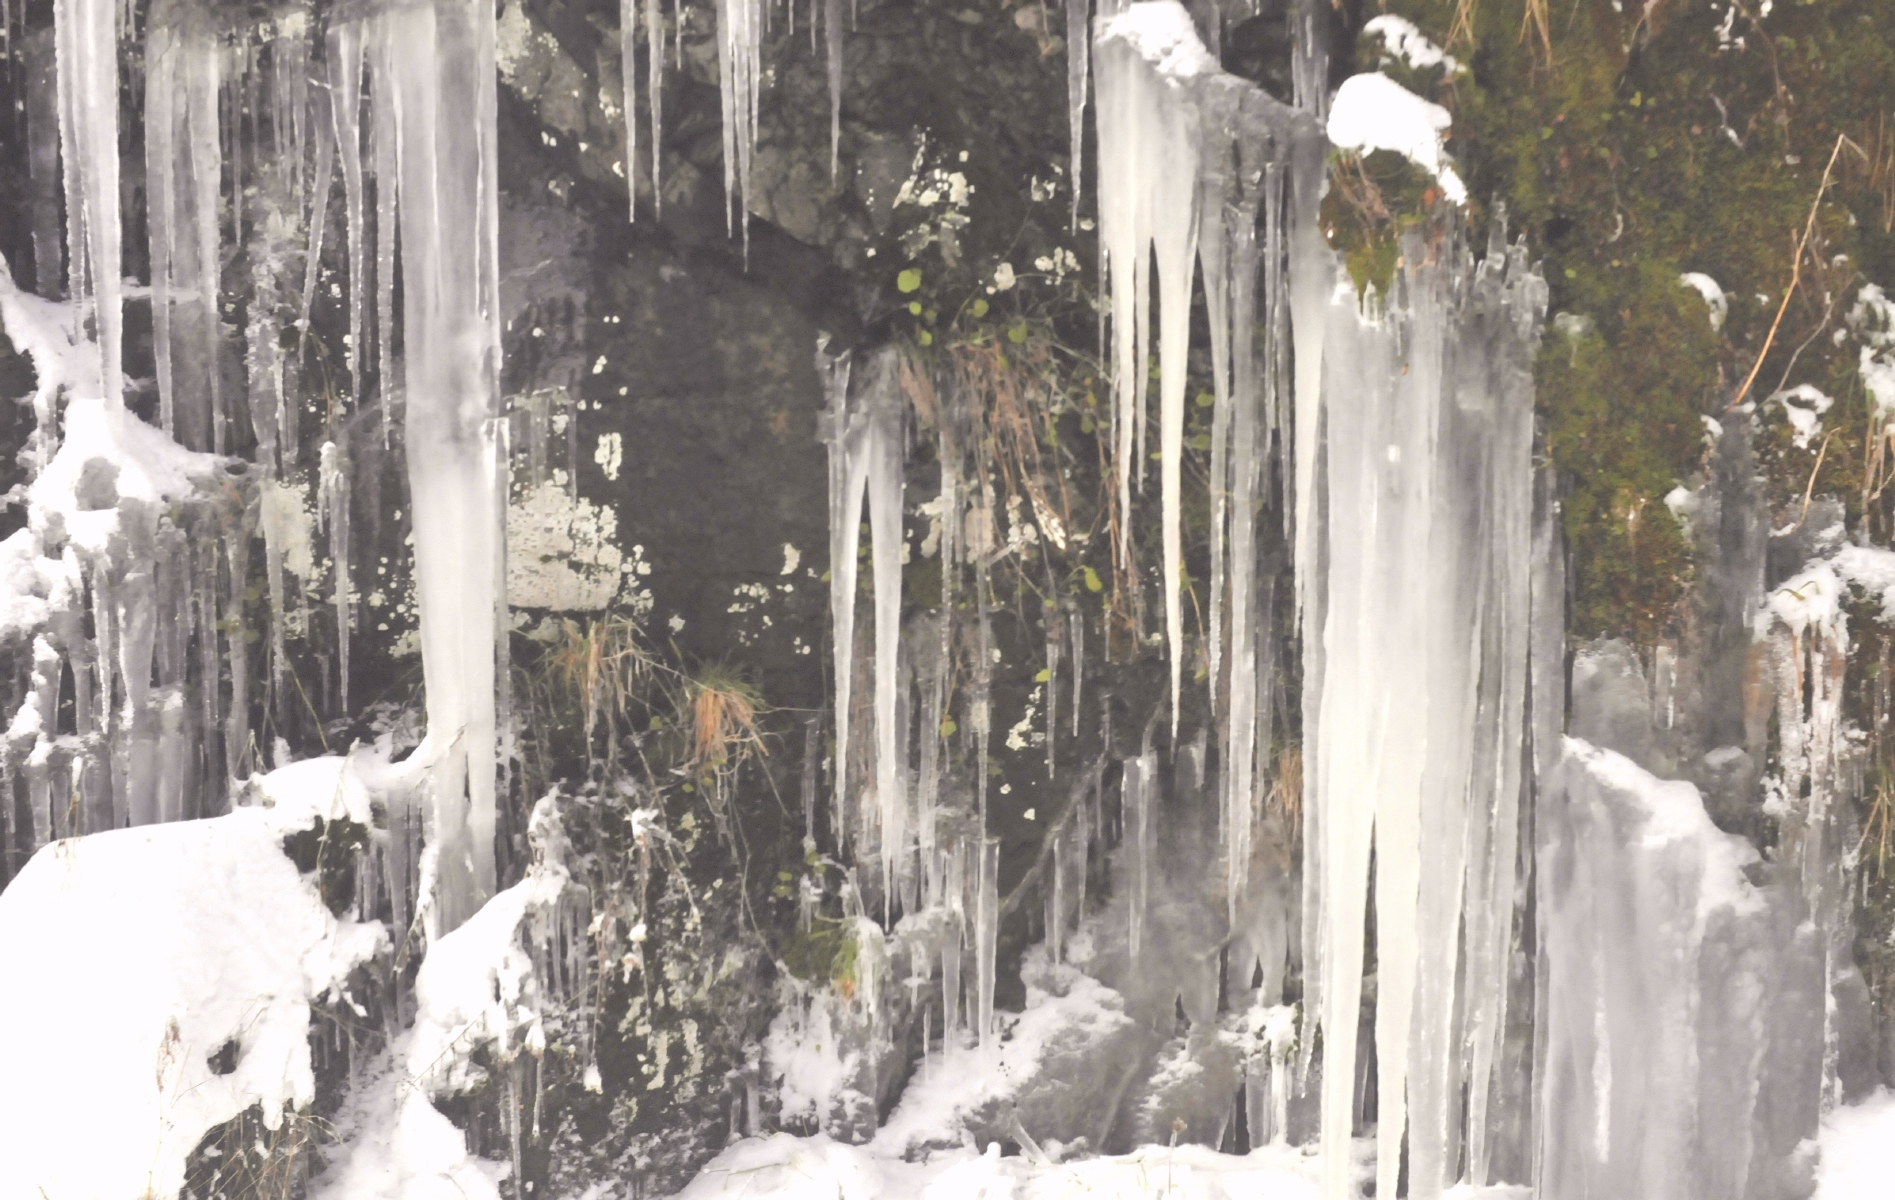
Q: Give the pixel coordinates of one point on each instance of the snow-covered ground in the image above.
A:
(133, 957)
(782, 1167)
(1858, 1151)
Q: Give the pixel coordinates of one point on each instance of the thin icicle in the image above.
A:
(1078, 65)
(628, 75)
(987, 937)
(345, 101)
(655, 85)
(1137, 793)
(740, 79)
(385, 139)
(333, 511)
(832, 36)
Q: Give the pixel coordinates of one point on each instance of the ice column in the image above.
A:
(1423, 533)
(863, 427)
(437, 63)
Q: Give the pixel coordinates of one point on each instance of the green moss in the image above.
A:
(1371, 199)
(823, 953)
(1612, 155)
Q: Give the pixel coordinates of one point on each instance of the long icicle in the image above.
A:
(345, 100)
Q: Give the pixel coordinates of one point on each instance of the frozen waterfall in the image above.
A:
(1330, 865)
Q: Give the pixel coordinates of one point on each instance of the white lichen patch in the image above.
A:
(562, 551)
(610, 454)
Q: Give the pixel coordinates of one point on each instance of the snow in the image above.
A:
(1804, 407)
(782, 1167)
(1713, 295)
(1072, 1013)
(1162, 33)
(1811, 598)
(141, 462)
(1373, 112)
(481, 986)
(1858, 1150)
(133, 956)
(1407, 44)
(1873, 322)
(1872, 569)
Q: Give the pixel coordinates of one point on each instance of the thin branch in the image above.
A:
(1796, 269)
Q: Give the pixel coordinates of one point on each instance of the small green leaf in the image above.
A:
(1201, 442)
(978, 308)
(1092, 581)
(914, 307)
(908, 281)
(1086, 424)
(785, 876)
(948, 726)
(1206, 400)
(1045, 675)
(925, 338)
(1017, 334)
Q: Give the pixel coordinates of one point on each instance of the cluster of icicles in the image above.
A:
(245, 127)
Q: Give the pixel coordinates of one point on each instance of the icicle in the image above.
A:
(740, 76)
(832, 37)
(951, 950)
(1076, 623)
(318, 222)
(385, 139)
(865, 458)
(987, 937)
(345, 101)
(1051, 617)
(1078, 62)
(39, 50)
(333, 510)
(87, 32)
(1137, 791)
(655, 86)
(847, 478)
(628, 74)
(1149, 140)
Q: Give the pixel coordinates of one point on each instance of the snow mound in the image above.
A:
(133, 957)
